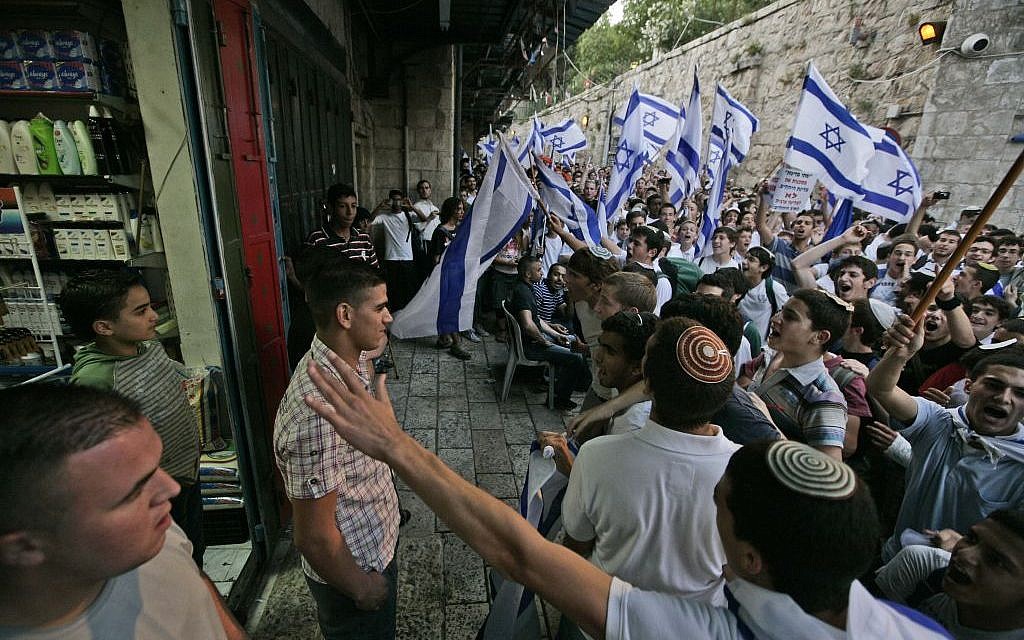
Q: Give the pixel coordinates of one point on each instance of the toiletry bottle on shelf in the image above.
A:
(83, 142)
(67, 150)
(24, 153)
(99, 141)
(42, 142)
(115, 146)
(6, 150)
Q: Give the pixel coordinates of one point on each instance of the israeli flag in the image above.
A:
(562, 201)
(534, 143)
(732, 127)
(683, 156)
(659, 118)
(628, 163)
(444, 304)
(892, 187)
(827, 141)
(487, 147)
(565, 137)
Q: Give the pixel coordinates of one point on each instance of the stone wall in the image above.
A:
(761, 60)
(976, 105)
(386, 155)
(402, 156)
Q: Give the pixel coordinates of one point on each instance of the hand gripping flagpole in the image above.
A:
(972, 234)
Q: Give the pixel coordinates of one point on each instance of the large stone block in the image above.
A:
(422, 118)
(420, 161)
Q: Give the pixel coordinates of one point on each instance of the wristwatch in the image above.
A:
(948, 305)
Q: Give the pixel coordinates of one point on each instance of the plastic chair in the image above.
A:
(517, 357)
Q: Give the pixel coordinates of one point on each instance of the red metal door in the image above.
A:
(249, 163)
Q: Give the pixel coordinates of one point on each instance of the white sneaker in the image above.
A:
(472, 336)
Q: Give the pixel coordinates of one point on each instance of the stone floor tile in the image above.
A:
(453, 430)
(519, 428)
(463, 621)
(424, 385)
(420, 413)
(484, 415)
(424, 364)
(426, 437)
(460, 461)
(499, 485)
(463, 573)
(420, 588)
(479, 370)
(489, 452)
(421, 518)
(520, 456)
(547, 420)
(478, 390)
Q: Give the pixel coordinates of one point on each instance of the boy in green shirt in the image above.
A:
(113, 308)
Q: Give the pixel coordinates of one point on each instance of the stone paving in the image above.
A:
(452, 408)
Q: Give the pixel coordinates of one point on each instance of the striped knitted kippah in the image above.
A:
(703, 355)
(809, 471)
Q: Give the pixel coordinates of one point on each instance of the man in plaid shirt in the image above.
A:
(344, 504)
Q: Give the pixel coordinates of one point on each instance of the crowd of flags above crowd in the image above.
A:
(855, 161)
(860, 165)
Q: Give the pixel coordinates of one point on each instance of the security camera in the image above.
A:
(975, 44)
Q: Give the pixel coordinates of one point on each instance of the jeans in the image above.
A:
(571, 370)
(340, 619)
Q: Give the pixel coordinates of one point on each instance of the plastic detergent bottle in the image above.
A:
(42, 142)
(67, 150)
(24, 153)
(86, 155)
(6, 150)
(99, 141)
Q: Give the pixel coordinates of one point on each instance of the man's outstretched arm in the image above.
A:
(500, 535)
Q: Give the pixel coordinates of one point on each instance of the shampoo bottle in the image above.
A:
(24, 153)
(116, 151)
(99, 141)
(6, 150)
(42, 142)
(67, 150)
(86, 155)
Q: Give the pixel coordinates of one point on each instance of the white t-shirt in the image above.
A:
(426, 229)
(397, 239)
(163, 599)
(590, 323)
(635, 614)
(756, 307)
(632, 419)
(708, 265)
(646, 499)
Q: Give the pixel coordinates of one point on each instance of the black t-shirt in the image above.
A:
(926, 362)
(521, 299)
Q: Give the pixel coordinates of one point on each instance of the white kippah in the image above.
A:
(809, 471)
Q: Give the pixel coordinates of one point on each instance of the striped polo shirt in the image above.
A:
(357, 247)
(805, 402)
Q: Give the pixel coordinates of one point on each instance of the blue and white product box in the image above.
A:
(9, 46)
(35, 44)
(41, 75)
(12, 76)
(74, 45)
(77, 76)
(111, 84)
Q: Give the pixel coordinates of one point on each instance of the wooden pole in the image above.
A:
(972, 234)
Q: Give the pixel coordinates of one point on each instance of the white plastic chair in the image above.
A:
(517, 357)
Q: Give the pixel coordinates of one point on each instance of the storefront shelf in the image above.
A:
(130, 181)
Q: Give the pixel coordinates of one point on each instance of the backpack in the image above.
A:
(681, 273)
(769, 289)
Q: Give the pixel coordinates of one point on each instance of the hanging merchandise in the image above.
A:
(42, 143)
(67, 151)
(6, 151)
(83, 143)
(24, 153)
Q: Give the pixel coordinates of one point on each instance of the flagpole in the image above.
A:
(969, 238)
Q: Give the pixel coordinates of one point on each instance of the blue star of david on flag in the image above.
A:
(831, 142)
(650, 117)
(897, 185)
(557, 142)
(623, 155)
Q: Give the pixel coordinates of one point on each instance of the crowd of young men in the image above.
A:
(769, 446)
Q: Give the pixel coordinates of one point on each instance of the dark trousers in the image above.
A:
(400, 276)
(187, 511)
(571, 371)
(340, 619)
